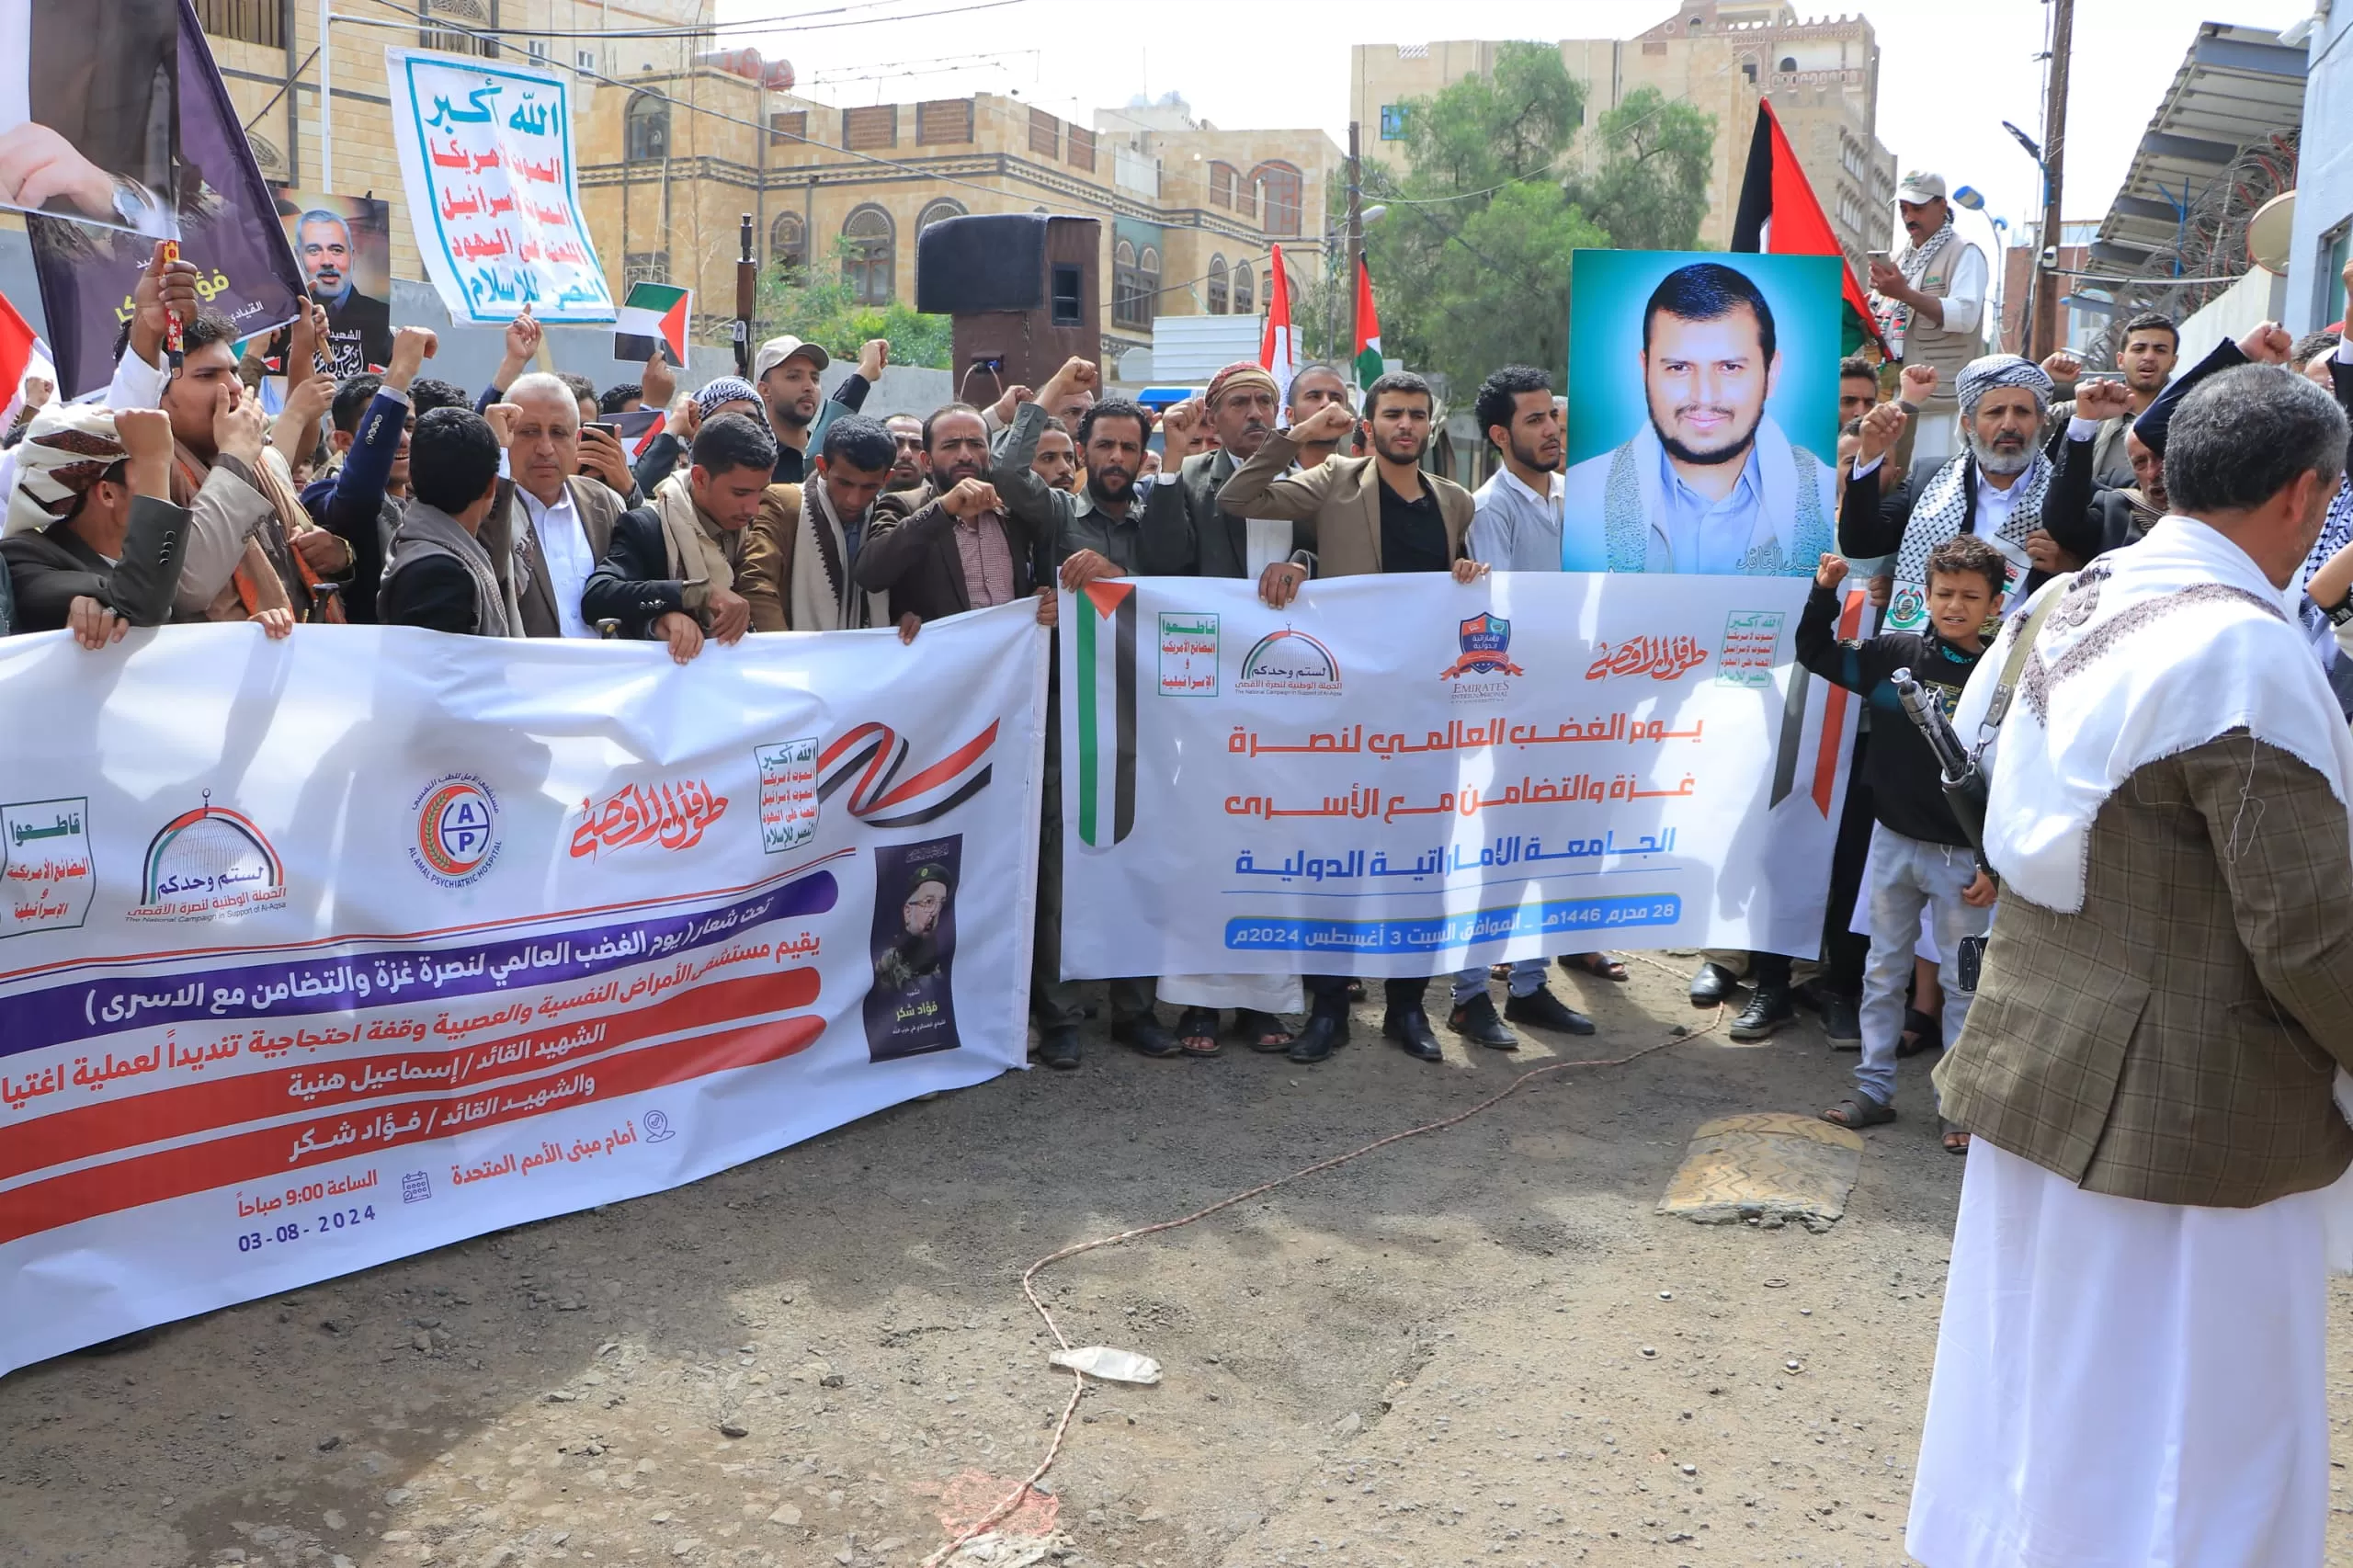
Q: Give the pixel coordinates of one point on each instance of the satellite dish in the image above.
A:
(2269, 232)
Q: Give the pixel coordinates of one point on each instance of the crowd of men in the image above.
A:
(2154, 1022)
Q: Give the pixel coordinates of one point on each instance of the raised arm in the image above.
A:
(1260, 488)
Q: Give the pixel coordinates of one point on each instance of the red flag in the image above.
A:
(1779, 215)
(19, 348)
(1278, 341)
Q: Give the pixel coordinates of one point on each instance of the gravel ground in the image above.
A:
(1477, 1346)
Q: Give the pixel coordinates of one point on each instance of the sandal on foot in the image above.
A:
(1262, 1031)
(1196, 1031)
(1956, 1136)
(1601, 966)
(1858, 1112)
(1922, 1032)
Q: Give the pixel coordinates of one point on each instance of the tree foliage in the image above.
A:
(817, 306)
(1471, 263)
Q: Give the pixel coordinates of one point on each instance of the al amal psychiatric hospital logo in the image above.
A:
(455, 842)
(208, 864)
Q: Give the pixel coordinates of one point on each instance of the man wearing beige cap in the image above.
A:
(786, 370)
(1931, 301)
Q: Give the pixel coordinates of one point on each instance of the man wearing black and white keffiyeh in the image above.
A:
(2003, 486)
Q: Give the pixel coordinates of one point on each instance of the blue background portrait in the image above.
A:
(1608, 289)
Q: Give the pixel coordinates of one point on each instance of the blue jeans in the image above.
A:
(1526, 978)
(1907, 875)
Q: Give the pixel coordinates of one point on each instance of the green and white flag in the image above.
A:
(1105, 679)
(655, 315)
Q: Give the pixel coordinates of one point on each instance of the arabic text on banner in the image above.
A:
(1406, 776)
(321, 953)
(493, 198)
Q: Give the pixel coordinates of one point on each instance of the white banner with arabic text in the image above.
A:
(1406, 776)
(319, 953)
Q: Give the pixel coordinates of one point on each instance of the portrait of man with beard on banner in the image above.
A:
(1703, 412)
(345, 244)
(911, 1008)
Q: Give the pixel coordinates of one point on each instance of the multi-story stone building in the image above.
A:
(669, 166)
(1719, 55)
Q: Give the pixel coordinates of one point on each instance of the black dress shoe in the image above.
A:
(1325, 1033)
(1712, 985)
(1546, 1011)
(1058, 1047)
(1766, 1011)
(1841, 1024)
(1475, 1021)
(1147, 1036)
(1411, 1030)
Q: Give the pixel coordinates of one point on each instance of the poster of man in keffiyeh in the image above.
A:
(486, 159)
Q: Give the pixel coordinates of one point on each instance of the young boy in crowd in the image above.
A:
(1919, 856)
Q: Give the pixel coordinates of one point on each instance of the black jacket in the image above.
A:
(52, 568)
(910, 551)
(631, 584)
(434, 592)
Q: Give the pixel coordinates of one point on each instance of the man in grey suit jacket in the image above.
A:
(567, 522)
(2132, 1362)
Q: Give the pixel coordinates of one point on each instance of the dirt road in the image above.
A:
(1478, 1346)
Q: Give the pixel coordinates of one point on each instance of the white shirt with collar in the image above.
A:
(563, 545)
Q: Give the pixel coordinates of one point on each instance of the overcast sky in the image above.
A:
(1950, 72)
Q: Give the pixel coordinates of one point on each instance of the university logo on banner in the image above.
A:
(1486, 649)
(1106, 713)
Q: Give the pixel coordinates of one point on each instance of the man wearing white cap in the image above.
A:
(786, 371)
(1930, 300)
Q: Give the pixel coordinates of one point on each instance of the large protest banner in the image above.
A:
(321, 953)
(493, 194)
(1406, 776)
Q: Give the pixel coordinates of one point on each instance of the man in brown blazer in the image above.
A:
(1356, 516)
(2131, 1368)
(566, 525)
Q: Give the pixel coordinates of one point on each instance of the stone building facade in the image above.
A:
(1720, 55)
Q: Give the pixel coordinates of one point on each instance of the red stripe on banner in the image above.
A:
(1833, 714)
(946, 768)
(263, 1155)
(109, 1124)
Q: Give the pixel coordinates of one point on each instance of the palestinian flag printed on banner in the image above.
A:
(655, 315)
(1778, 215)
(1105, 694)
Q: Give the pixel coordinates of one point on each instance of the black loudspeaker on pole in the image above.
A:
(747, 290)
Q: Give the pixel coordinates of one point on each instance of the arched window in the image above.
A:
(868, 259)
(1217, 286)
(1788, 62)
(646, 129)
(934, 211)
(789, 243)
(1282, 185)
(1148, 284)
(1124, 305)
(1243, 305)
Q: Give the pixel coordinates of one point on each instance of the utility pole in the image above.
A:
(1356, 246)
(2042, 333)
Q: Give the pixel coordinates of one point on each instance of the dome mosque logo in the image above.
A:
(208, 864)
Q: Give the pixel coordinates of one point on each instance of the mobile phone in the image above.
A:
(607, 426)
(1881, 256)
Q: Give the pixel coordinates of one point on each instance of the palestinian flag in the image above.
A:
(1278, 341)
(1106, 695)
(655, 315)
(1778, 215)
(1368, 357)
(638, 429)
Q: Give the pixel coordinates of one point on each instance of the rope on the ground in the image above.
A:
(1078, 1380)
